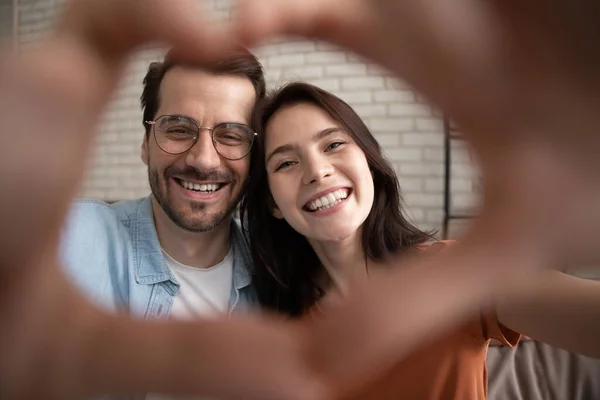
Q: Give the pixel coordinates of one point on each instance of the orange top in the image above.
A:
(450, 368)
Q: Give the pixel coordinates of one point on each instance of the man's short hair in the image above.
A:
(238, 63)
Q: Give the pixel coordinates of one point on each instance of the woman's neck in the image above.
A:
(344, 261)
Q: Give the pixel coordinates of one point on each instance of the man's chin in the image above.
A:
(199, 221)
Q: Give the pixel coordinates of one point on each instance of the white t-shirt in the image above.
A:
(203, 292)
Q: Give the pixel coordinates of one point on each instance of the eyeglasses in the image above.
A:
(176, 134)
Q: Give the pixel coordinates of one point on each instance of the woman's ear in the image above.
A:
(277, 213)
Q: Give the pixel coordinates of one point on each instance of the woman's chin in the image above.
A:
(337, 235)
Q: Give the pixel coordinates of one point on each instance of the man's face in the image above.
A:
(199, 189)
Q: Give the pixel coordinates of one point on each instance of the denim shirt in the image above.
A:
(111, 253)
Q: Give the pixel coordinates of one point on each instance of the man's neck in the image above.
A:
(194, 249)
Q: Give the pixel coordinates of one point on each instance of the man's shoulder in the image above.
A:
(92, 209)
(242, 242)
(96, 249)
(98, 224)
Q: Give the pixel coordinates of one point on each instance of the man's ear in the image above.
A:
(145, 149)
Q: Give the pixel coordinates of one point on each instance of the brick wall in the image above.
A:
(6, 21)
(410, 131)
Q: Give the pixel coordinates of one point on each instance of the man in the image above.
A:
(177, 253)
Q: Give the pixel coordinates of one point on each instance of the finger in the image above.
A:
(263, 357)
(114, 28)
(256, 20)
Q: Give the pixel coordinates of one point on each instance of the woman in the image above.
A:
(322, 210)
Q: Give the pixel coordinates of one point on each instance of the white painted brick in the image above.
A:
(434, 154)
(437, 113)
(284, 60)
(393, 96)
(429, 124)
(462, 185)
(404, 154)
(387, 140)
(265, 51)
(461, 153)
(410, 184)
(395, 83)
(424, 200)
(434, 216)
(353, 57)
(360, 97)
(435, 229)
(329, 84)
(326, 57)
(414, 213)
(463, 203)
(274, 77)
(367, 82)
(420, 169)
(93, 193)
(297, 47)
(370, 110)
(346, 69)
(376, 70)
(422, 99)
(434, 185)
(303, 72)
(457, 228)
(466, 171)
(425, 139)
(409, 109)
(391, 124)
(326, 46)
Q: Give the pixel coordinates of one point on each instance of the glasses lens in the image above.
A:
(233, 141)
(175, 134)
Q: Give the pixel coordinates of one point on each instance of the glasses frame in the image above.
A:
(200, 128)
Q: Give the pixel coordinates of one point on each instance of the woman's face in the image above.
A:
(317, 174)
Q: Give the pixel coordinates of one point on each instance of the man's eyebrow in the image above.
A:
(228, 121)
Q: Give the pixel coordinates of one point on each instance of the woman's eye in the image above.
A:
(334, 145)
(284, 164)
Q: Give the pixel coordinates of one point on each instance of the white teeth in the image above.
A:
(328, 200)
(200, 187)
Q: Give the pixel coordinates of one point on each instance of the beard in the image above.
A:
(195, 218)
